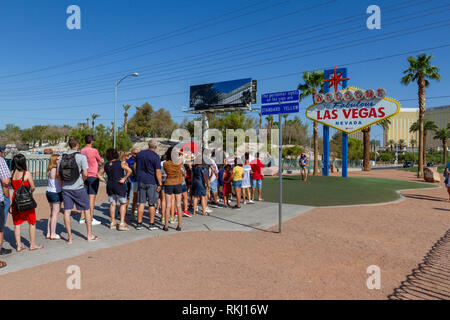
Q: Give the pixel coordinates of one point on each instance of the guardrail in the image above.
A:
(38, 169)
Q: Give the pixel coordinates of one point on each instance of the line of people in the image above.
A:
(169, 186)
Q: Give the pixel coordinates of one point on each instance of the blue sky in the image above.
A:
(52, 75)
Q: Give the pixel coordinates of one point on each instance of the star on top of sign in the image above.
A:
(335, 79)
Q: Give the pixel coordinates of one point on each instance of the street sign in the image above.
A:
(280, 97)
(279, 108)
(280, 103)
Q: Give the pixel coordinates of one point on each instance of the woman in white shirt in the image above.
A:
(54, 197)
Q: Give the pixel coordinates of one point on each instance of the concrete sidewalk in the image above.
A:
(252, 217)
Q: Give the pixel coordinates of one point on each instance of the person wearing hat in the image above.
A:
(303, 163)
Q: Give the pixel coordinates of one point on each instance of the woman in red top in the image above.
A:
(19, 175)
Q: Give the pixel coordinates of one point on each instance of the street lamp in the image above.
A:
(115, 101)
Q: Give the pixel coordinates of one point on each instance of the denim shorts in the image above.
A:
(147, 193)
(256, 184)
(116, 198)
(2, 216)
(237, 184)
(54, 197)
(213, 186)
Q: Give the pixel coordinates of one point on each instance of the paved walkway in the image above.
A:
(321, 254)
(252, 217)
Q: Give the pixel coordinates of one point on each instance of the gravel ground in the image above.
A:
(322, 254)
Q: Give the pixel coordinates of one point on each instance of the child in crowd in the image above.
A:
(226, 185)
(54, 197)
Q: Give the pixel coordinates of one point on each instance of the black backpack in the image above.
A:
(23, 199)
(68, 168)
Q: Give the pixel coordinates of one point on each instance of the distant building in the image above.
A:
(357, 135)
(440, 116)
(399, 127)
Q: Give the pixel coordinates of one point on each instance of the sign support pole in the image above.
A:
(280, 171)
(326, 150)
(344, 154)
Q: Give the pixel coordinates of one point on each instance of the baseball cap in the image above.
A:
(2, 148)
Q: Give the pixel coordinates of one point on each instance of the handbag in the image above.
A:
(23, 198)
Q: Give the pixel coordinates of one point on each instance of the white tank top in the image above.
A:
(53, 184)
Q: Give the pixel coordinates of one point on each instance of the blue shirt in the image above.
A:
(147, 162)
(448, 168)
(130, 163)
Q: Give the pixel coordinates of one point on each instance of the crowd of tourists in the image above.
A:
(172, 185)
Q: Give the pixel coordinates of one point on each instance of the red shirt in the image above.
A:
(257, 166)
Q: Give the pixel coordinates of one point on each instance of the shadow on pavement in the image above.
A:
(431, 279)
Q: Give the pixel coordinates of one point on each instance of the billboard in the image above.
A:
(222, 95)
(352, 109)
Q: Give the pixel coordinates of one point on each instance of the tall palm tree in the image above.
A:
(420, 70)
(94, 116)
(391, 144)
(366, 142)
(87, 122)
(313, 83)
(428, 125)
(413, 143)
(443, 135)
(125, 117)
(401, 144)
(269, 120)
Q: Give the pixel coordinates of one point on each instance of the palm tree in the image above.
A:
(125, 117)
(269, 120)
(391, 144)
(443, 135)
(428, 125)
(313, 83)
(260, 120)
(94, 116)
(87, 122)
(413, 143)
(420, 70)
(366, 143)
(401, 144)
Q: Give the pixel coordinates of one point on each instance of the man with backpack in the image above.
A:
(73, 171)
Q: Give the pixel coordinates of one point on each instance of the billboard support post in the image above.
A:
(205, 127)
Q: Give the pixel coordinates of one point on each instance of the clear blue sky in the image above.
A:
(195, 42)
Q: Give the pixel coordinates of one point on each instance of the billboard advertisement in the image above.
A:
(221, 95)
(352, 109)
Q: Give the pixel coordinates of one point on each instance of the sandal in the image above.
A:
(2, 264)
(20, 249)
(113, 225)
(123, 227)
(94, 239)
(58, 237)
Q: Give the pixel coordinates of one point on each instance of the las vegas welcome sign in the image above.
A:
(352, 109)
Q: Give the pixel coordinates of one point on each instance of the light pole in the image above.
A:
(115, 101)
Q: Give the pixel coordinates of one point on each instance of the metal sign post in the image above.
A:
(280, 172)
(288, 102)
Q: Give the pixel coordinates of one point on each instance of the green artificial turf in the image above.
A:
(333, 191)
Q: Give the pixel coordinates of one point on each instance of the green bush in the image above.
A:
(292, 151)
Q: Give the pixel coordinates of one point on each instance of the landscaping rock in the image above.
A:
(430, 174)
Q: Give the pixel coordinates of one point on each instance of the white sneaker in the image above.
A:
(82, 221)
(208, 210)
(251, 201)
(95, 222)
